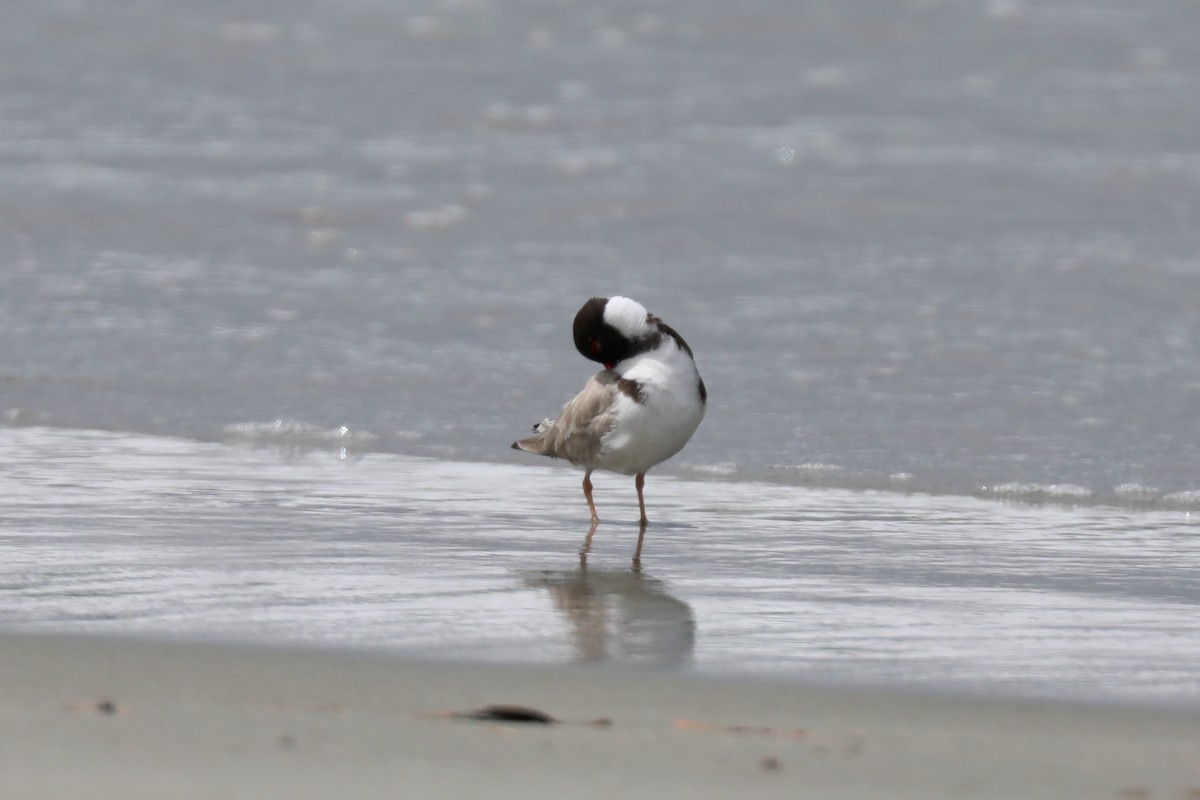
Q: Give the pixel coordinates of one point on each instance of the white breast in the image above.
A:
(649, 432)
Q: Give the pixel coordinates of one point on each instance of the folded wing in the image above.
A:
(578, 433)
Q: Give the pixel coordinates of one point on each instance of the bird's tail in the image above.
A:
(539, 443)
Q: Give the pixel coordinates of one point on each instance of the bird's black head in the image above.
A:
(611, 329)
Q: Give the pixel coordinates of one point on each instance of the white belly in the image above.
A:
(648, 433)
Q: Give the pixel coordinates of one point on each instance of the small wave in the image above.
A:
(1039, 492)
(724, 469)
(1136, 492)
(1125, 495)
(811, 467)
(292, 435)
(1187, 500)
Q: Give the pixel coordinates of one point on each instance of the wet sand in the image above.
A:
(102, 718)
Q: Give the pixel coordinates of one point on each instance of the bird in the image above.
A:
(638, 411)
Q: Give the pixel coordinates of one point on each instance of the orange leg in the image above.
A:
(587, 493)
(639, 482)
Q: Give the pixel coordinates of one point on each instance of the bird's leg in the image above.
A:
(639, 482)
(587, 493)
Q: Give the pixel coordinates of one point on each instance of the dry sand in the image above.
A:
(86, 718)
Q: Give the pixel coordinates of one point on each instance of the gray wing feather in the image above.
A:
(578, 433)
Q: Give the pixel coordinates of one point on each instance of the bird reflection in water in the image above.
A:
(587, 546)
(620, 616)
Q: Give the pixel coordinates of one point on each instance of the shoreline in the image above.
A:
(303, 440)
(91, 717)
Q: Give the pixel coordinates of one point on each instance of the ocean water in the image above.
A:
(938, 260)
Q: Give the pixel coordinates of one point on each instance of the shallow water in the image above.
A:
(149, 536)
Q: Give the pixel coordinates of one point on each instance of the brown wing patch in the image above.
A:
(579, 431)
(631, 389)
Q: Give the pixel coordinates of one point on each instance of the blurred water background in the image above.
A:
(942, 247)
(951, 244)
